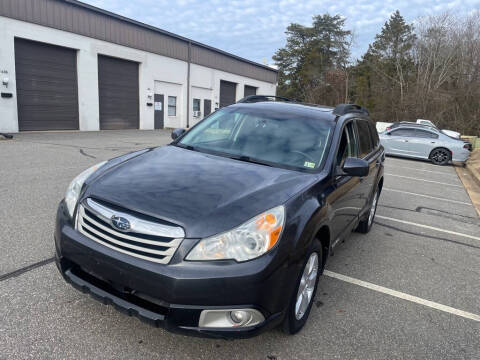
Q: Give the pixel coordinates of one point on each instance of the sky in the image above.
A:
(255, 29)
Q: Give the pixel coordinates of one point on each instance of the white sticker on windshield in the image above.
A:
(309, 164)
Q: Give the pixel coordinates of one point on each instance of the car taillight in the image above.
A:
(466, 146)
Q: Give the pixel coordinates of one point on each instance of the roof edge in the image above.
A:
(164, 32)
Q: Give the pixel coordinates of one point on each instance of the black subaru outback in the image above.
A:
(226, 231)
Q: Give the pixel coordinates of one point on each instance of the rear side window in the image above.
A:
(364, 138)
(425, 134)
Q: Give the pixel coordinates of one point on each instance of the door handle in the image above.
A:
(405, 140)
(433, 142)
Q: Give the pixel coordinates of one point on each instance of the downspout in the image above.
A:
(188, 82)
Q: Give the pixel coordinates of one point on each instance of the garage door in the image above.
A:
(118, 93)
(47, 92)
(250, 90)
(227, 93)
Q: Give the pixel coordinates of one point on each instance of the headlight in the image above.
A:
(245, 242)
(73, 191)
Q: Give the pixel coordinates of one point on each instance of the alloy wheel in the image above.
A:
(306, 286)
(373, 208)
(440, 156)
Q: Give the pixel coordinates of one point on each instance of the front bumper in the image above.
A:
(173, 296)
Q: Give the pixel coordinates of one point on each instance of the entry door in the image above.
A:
(159, 110)
(207, 107)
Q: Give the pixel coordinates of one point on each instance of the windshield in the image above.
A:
(274, 138)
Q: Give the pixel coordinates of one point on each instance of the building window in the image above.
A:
(172, 106)
(196, 104)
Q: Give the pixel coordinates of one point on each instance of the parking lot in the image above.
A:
(409, 289)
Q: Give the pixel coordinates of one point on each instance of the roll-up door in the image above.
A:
(118, 93)
(227, 93)
(47, 90)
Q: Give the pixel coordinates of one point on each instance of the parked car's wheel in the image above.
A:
(440, 156)
(302, 299)
(366, 224)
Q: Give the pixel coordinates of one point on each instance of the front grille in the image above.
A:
(144, 239)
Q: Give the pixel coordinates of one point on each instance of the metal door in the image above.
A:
(227, 93)
(159, 110)
(47, 90)
(207, 107)
(118, 93)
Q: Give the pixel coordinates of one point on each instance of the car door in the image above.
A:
(345, 200)
(398, 142)
(367, 146)
(424, 142)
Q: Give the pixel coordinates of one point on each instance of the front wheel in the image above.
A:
(301, 303)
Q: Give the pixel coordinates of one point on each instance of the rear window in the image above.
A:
(364, 138)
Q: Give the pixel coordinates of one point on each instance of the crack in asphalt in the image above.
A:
(26, 269)
(87, 155)
(427, 236)
(441, 213)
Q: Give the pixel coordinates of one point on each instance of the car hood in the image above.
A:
(203, 193)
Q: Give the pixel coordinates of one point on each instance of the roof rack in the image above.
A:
(343, 109)
(259, 98)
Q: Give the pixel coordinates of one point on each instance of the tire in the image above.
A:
(297, 315)
(440, 156)
(366, 224)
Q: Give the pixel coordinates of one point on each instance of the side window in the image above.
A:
(403, 132)
(374, 134)
(348, 145)
(425, 134)
(172, 106)
(364, 138)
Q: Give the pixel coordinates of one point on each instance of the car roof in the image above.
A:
(294, 109)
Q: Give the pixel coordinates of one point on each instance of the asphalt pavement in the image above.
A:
(409, 289)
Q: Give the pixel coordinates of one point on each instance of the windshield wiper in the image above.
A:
(188, 147)
(249, 159)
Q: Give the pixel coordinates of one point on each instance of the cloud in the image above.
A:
(255, 29)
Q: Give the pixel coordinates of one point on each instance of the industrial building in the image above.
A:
(66, 65)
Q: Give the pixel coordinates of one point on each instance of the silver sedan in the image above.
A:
(424, 143)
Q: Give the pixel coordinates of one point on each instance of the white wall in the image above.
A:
(155, 72)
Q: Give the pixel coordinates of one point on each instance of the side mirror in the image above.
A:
(177, 133)
(355, 167)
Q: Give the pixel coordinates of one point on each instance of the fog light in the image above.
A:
(240, 317)
(230, 318)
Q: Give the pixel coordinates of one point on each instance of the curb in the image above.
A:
(471, 169)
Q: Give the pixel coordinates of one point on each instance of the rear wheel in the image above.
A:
(366, 224)
(440, 156)
(302, 300)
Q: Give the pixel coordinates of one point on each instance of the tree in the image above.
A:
(314, 60)
(389, 64)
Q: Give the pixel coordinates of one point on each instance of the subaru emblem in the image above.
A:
(120, 223)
